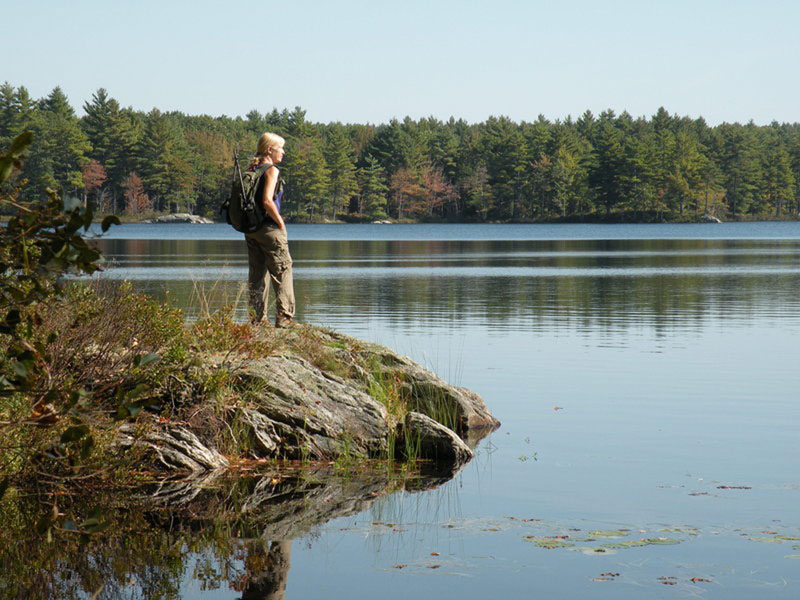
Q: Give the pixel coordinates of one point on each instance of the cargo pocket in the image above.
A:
(280, 258)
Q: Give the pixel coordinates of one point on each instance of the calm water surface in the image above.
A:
(646, 376)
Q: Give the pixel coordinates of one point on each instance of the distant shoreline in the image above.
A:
(586, 219)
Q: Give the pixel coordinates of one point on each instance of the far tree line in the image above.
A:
(666, 167)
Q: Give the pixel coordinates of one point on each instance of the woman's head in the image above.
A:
(270, 147)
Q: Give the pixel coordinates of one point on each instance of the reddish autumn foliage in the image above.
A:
(94, 176)
(423, 194)
(136, 200)
(406, 191)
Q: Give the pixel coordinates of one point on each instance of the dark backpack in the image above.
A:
(242, 209)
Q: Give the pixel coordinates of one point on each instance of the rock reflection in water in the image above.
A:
(154, 536)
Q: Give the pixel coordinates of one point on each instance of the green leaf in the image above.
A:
(20, 368)
(74, 433)
(108, 222)
(133, 408)
(6, 164)
(88, 215)
(145, 359)
(20, 143)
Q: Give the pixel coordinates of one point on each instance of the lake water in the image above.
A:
(647, 378)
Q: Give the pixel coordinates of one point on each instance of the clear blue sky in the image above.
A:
(372, 60)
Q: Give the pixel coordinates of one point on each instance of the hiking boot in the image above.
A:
(285, 322)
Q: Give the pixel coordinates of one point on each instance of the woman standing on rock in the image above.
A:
(268, 248)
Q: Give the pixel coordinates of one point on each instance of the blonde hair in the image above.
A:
(266, 142)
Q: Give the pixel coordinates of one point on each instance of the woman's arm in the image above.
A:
(269, 192)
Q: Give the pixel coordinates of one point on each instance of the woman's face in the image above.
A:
(276, 154)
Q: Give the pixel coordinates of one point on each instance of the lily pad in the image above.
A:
(616, 533)
(688, 530)
(659, 541)
(548, 543)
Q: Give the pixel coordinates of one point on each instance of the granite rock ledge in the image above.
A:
(317, 406)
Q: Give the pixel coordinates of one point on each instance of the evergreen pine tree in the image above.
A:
(16, 108)
(307, 179)
(99, 127)
(607, 166)
(57, 158)
(740, 167)
(373, 190)
(777, 189)
(342, 171)
(163, 157)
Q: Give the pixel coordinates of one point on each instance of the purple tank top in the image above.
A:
(277, 196)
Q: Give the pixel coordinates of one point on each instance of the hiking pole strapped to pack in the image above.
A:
(237, 171)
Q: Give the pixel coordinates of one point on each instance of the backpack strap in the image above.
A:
(260, 172)
(262, 169)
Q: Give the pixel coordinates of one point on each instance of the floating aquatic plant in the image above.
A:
(659, 541)
(616, 533)
(548, 543)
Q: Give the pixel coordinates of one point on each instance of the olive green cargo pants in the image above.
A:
(268, 255)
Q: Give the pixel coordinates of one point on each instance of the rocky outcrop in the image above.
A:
(707, 218)
(173, 447)
(180, 218)
(297, 411)
(429, 440)
(283, 406)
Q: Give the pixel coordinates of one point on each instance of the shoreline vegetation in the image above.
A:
(615, 219)
(178, 398)
(594, 168)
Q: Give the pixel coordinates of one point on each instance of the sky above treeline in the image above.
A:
(368, 61)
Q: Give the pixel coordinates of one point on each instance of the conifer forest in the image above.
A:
(610, 166)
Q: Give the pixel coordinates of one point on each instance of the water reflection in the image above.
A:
(523, 285)
(233, 530)
(267, 571)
